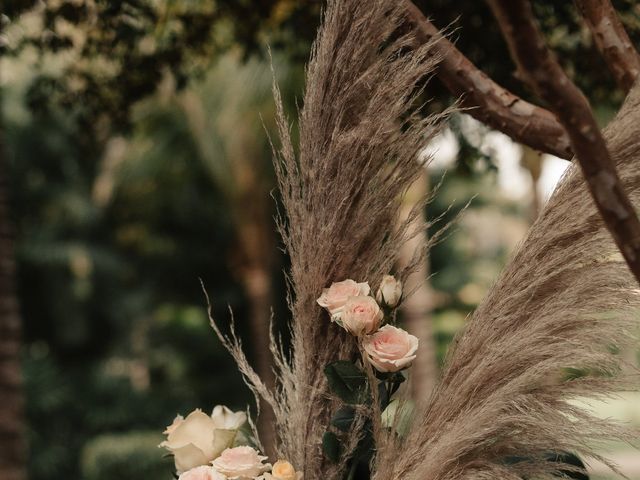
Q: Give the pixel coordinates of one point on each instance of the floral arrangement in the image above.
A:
(215, 447)
(370, 381)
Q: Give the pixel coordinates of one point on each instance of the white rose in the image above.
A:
(390, 291)
(241, 463)
(361, 315)
(198, 439)
(390, 349)
(335, 297)
(176, 422)
(282, 470)
(227, 419)
(204, 472)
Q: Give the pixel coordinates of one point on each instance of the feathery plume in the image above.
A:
(359, 148)
(360, 139)
(546, 334)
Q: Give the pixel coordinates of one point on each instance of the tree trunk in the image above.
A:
(531, 160)
(416, 309)
(12, 442)
(257, 284)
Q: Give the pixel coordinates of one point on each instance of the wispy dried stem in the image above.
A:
(612, 40)
(541, 70)
(487, 101)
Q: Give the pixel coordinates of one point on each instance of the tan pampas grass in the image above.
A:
(360, 140)
(564, 304)
(359, 144)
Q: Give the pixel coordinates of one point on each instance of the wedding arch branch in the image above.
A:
(486, 100)
(612, 40)
(541, 70)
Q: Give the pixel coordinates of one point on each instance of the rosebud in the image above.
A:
(283, 470)
(390, 291)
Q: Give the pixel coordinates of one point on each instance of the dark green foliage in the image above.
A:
(347, 381)
(331, 446)
(343, 418)
(126, 456)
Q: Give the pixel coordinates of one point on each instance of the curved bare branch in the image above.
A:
(541, 70)
(612, 40)
(487, 101)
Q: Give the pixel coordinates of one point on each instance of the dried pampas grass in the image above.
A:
(360, 141)
(546, 334)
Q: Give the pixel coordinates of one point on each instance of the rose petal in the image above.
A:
(187, 457)
(222, 439)
(196, 428)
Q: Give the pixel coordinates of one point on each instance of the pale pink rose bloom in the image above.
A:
(242, 463)
(389, 292)
(361, 315)
(204, 472)
(391, 349)
(335, 297)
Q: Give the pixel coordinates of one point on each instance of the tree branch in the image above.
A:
(612, 40)
(540, 69)
(487, 101)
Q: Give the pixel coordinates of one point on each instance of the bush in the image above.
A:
(126, 456)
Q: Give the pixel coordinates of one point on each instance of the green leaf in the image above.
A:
(347, 381)
(343, 418)
(383, 395)
(331, 446)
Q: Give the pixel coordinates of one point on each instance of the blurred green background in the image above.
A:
(136, 134)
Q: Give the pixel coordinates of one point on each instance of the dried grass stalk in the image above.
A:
(360, 140)
(565, 303)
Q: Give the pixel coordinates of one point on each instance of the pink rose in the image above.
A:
(203, 472)
(391, 349)
(361, 315)
(335, 297)
(242, 463)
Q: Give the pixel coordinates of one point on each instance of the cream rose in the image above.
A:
(335, 297)
(176, 423)
(199, 438)
(389, 292)
(391, 349)
(204, 472)
(242, 463)
(361, 315)
(283, 470)
(226, 419)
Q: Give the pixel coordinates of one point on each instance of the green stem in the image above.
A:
(352, 471)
